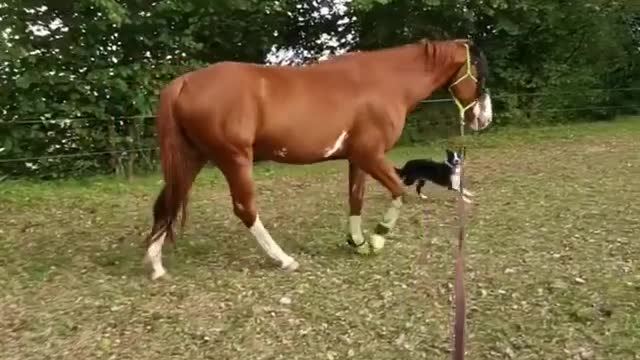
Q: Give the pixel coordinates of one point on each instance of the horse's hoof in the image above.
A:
(424, 197)
(158, 274)
(376, 242)
(363, 249)
(291, 267)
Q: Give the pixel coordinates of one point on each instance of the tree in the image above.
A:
(533, 46)
(104, 60)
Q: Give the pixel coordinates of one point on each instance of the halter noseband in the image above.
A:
(461, 107)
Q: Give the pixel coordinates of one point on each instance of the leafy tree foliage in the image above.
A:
(534, 47)
(102, 61)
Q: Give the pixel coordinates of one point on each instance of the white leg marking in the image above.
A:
(423, 196)
(332, 150)
(355, 229)
(154, 256)
(376, 241)
(392, 213)
(271, 247)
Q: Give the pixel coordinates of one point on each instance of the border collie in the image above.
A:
(446, 174)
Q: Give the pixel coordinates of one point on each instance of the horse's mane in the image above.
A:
(435, 52)
(390, 54)
(440, 52)
(482, 65)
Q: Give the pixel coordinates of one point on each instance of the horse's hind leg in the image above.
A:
(241, 184)
(166, 210)
(357, 179)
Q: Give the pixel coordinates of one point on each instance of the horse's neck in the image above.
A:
(413, 72)
(419, 71)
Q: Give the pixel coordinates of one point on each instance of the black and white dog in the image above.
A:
(446, 174)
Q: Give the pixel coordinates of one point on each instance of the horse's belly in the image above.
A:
(302, 148)
(302, 128)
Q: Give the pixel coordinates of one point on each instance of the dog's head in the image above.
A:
(453, 158)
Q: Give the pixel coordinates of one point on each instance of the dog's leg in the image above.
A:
(419, 187)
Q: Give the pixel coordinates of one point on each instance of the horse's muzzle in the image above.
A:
(482, 113)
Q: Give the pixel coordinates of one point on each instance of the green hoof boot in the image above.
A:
(376, 243)
(362, 248)
(382, 229)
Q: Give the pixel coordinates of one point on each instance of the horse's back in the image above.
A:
(301, 111)
(285, 92)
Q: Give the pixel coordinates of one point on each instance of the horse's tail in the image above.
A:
(180, 164)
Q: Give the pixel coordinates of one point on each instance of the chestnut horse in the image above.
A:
(351, 107)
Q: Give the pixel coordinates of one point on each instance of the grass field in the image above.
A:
(553, 262)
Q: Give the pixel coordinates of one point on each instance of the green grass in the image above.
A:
(552, 262)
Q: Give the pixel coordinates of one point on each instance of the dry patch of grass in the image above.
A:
(552, 263)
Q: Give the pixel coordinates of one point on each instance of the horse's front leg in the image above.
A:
(383, 171)
(357, 180)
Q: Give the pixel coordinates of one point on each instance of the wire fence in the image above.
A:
(149, 117)
(135, 150)
(74, 119)
(68, 119)
(85, 154)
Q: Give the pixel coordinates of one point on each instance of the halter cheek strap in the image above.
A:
(467, 74)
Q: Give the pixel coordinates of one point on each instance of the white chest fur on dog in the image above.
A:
(455, 184)
(455, 178)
